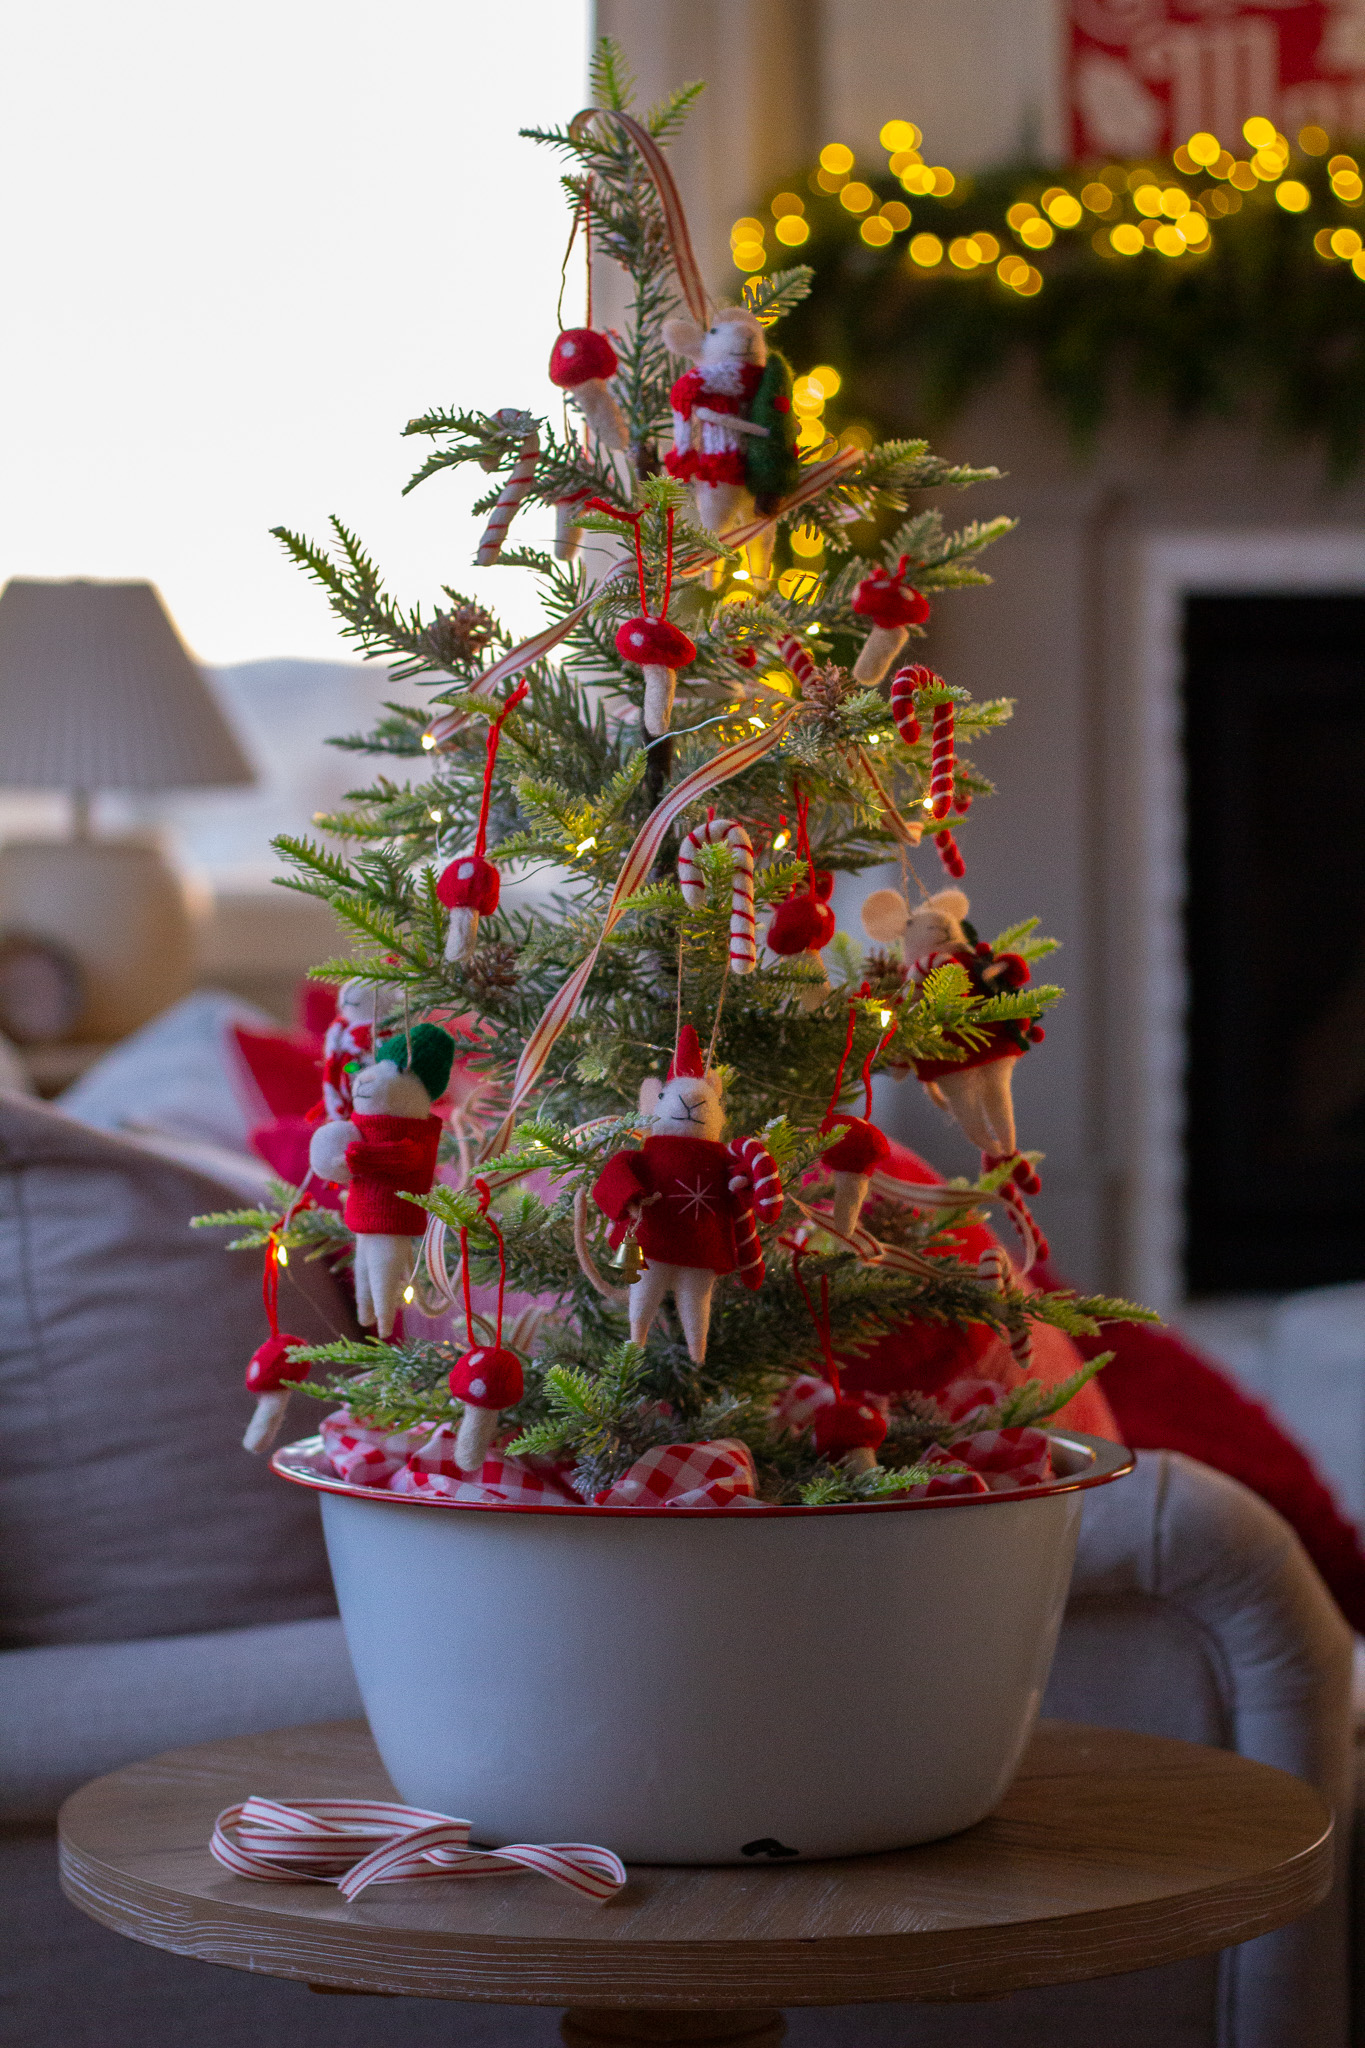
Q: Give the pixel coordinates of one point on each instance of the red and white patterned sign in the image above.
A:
(1145, 75)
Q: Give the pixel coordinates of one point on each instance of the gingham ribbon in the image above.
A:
(718, 1474)
(675, 219)
(634, 872)
(354, 1843)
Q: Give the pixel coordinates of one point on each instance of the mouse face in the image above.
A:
(685, 1107)
(733, 337)
(931, 931)
(385, 1090)
(367, 1002)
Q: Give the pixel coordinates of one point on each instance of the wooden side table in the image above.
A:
(1111, 1852)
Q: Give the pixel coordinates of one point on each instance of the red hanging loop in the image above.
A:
(270, 1283)
(820, 1320)
(481, 1188)
(494, 735)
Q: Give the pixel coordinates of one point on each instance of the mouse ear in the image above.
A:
(683, 338)
(651, 1088)
(715, 1081)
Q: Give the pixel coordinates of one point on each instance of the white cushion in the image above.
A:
(177, 1076)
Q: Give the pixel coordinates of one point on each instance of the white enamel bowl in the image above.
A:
(706, 1686)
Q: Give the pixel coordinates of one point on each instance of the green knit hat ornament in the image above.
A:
(433, 1055)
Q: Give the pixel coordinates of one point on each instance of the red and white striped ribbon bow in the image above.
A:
(634, 872)
(354, 1843)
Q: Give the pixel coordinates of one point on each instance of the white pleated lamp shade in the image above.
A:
(98, 691)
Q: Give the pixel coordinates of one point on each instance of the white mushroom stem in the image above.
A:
(860, 1460)
(568, 533)
(877, 653)
(601, 412)
(461, 934)
(265, 1422)
(478, 1427)
(850, 1192)
(660, 685)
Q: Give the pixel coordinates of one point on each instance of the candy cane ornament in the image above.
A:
(512, 492)
(755, 1171)
(794, 656)
(942, 761)
(904, 685)
(994, 1268)
(950, 854)
(692, 880)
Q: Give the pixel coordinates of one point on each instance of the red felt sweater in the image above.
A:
(691, 1221)
(393, 1153)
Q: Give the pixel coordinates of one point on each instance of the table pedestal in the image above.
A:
(597, 2027)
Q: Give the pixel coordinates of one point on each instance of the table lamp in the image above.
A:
(97, 691)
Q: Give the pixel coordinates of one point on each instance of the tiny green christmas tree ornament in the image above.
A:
(664, 1226)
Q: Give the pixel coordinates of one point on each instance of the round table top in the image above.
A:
(1110, 1852)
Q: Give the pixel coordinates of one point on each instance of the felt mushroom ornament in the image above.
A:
(659, 648)
(856, 1155)
(893, 607)
(383, 1152)
(804, 923)
(269, 1366)
(847, 1430)
(470, 885)
(488, 1377)
(581, 362)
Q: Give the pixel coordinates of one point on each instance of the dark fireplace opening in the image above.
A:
(1275, 942)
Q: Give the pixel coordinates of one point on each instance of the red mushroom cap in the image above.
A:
(270, 1366)
(1011, 968)
(656, 643)
(581, 353)
(824, 885)
(861, 1149)
(801, 925)
(885, 600)
(470, 883)
(847, 1424)
(488, 1377)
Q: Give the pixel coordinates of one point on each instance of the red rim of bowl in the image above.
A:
(301, 1463)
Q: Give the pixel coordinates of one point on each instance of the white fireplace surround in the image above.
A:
(1171, 566)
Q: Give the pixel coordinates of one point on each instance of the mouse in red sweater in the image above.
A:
(386, 1149)
(689, 1198)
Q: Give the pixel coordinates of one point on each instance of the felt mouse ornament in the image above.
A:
(364, 1010)
(387, 1149)
(734, 430)
(977, 1089)
(689, 1199)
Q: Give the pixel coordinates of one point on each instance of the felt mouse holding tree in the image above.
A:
(690, 1199)
(734, 430)
(977, 1089)
(387, 1148)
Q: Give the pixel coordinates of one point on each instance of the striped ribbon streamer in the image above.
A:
(675, 218)
(908, 831)
(354, 1843)
(634, 872)
(922, 1195)
(523, 656)
(816, 477)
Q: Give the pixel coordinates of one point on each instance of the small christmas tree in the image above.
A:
(673, 1128)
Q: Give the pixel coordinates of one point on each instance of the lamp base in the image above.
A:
(121, 912)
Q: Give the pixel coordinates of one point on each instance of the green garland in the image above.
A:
(1242, 289)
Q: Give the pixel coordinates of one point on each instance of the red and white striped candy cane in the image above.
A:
(941, 762)
(691, 876)
(994, 1268)
(1035, 1244)
(794, 656)
(1022, 1171)
(904, 684)
(950, 853)
(760, 1203)
(511, 494)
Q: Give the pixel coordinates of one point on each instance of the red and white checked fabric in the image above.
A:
(951, 1483)
(1006, 1458)
(354, 1843)
(967, 1395)
(634, 872)
(692, 880)
(801, 1400)
(431, 1473)
(513, 491)
(714, 1475)
(365, 1455)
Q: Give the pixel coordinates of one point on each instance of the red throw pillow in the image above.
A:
(1166, 1397)
(286, 1072)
